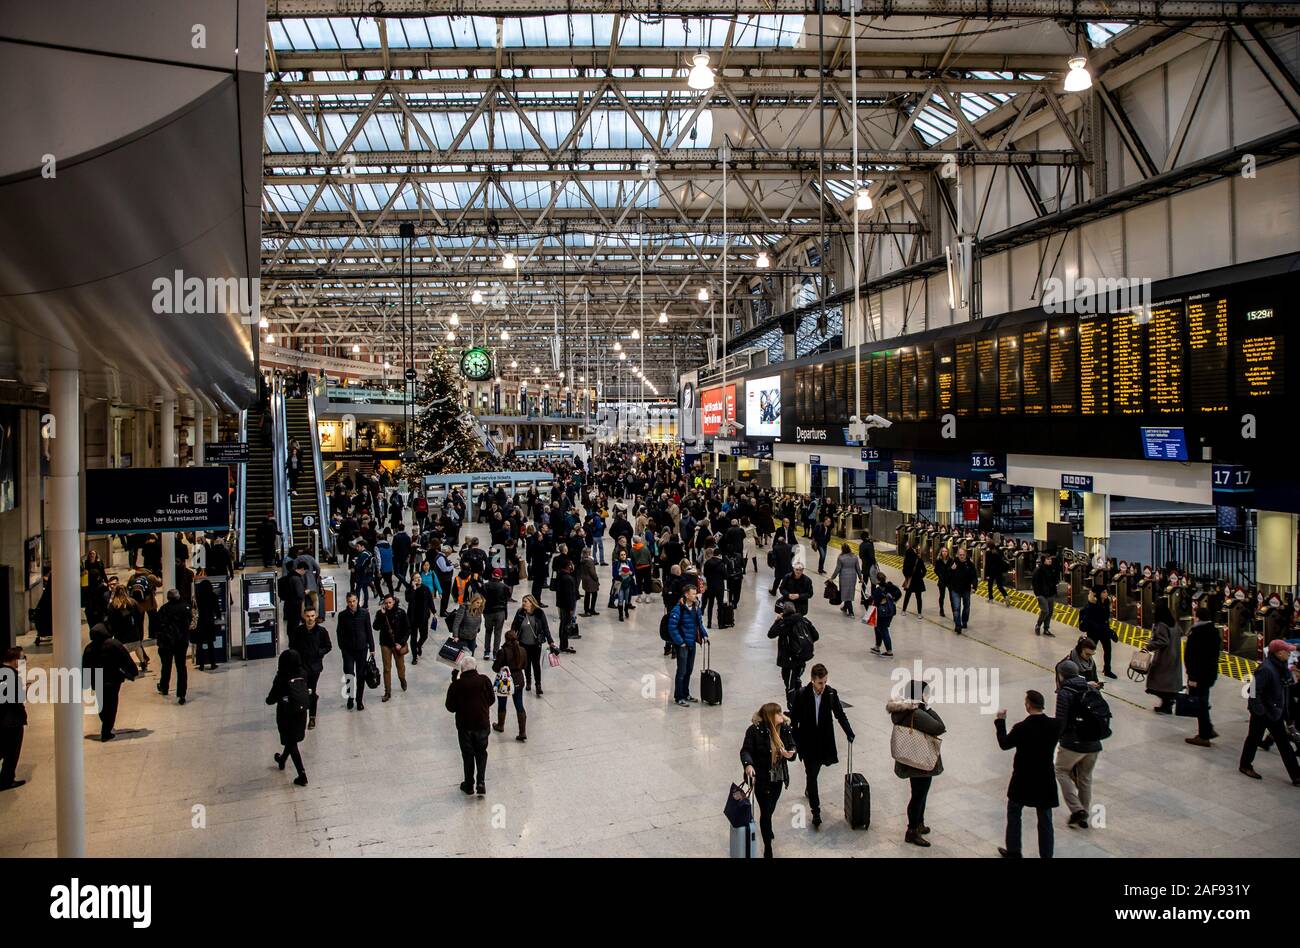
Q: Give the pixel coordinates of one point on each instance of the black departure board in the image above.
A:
(1127, 355)
(945, 376)
(1009, 373)
(1033, 372)
(879, 404)
(924, 383)
(837, 411)
(894, 386)
(986, 357)
(1165, 364)
(864, 381)
(818, 396)
(907, 378)
(1260, 355)
(1094, 365)
(1207, 353)
(1063, 367)
(966, 377)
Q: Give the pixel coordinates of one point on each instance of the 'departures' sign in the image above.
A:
(157, 499)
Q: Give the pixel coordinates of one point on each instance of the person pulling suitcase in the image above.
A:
(814, 708)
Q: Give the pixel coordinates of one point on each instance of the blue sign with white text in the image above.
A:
(1080, 482)
(871, 455)
(1164, 444)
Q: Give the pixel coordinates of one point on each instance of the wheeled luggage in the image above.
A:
(857, 797)
(710, 681)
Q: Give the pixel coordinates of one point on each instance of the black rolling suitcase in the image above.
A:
(857, 797)
(710, 681)
(726, 615)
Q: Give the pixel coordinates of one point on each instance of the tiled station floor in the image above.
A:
(613, 768)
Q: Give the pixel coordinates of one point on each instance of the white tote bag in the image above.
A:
(914, 749)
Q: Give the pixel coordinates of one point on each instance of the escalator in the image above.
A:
(258, 494)
(298, 427)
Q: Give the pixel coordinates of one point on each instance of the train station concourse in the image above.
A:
(650, 429)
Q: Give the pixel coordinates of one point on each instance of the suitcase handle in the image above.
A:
(706, 654)
(850, 757)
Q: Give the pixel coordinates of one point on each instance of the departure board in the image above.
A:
(1207, 353)
(894, 385)
(864, 381)
(1165, 364)
(1009, 373)
(1127, 355)
(818, 396)
(837, 412)
(907, 377)
(1094, 366)
(924, 383)
(1033, 371)
(965, 376)
(879, 404)
(1260, 355)
(986, 357)
(945, 376)
(1063, 367)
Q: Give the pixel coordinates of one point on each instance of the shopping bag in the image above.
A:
(553, 659)
(872, 615)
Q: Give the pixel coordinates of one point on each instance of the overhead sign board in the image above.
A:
(226, 452)
(156, 499)
(1079, 482)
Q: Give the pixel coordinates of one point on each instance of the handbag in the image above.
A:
(739, 808)
(371, 672)
(553, 659)
(913, 748)
(1139, 666)
(503, 685)
(1189, 706)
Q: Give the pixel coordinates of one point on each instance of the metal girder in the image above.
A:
(1104, 10)
(684, 159)
(341, 225)
(491, 269)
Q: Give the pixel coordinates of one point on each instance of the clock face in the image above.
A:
(476, 364)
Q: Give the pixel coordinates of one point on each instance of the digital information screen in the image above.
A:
(1033, 372)
(966, 374)
(1063, 368)
(763, 407)
(894, 385)
(864, 381)
(945, 376)
(1164, 444)
(1260, 355)
(1094, 366)
(1165, 366)
(986, 351)
(1009, 374)
(1207, 353)
(1127, 354)
(924, 383)
(907, 373)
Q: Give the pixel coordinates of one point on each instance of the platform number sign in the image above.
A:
(1232, 484)
(982, 462)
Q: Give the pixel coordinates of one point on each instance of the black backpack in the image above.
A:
(299, 696)
(1091, 716)
(663, 628)
(801, 643)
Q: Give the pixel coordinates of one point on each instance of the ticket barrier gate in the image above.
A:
(1240, 636)
(1146, 603)
(261, 616)
(1025, 562)
(1125, 601)
(1079, 575)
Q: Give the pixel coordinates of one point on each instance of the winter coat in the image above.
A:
(1033, 769)
(588, 574)
(1166, 674)
(469, 697)
(291, 722)
(1273, 683)
(783, 630)
(1201, 654)
(312, 645)
(847, 574)
(756, 752)
(110, 656)
(394, 627)
(354, 632)
(1068, 696)
(815, 733)
(541, 629)
(915, 714)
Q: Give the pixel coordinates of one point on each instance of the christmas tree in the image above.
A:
(443, 440)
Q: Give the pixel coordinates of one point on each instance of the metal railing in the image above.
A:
(279, 452)
(323, 529)
(243, 490)
(1197, 552)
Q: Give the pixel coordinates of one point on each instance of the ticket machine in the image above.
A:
(261, 616)
(221, 618)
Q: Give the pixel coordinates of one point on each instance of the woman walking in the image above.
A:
(292, 698)
(914, 745)
(884, 596)
(1165, 676)
(531, 629)
(751, 545)
(465, 623)
(848, 571)
(768, 747)
(914, 582)
(510, 665)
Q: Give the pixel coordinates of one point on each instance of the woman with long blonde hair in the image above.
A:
(768, 747)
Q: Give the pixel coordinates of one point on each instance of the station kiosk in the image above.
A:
(261, 616)
(221, 619)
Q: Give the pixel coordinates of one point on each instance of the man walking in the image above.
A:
(1267, 705)
(357, 642)
(312, 643)
(962, 578)
(1044, 583)
(814, 734)
(1032, 782)
(470, 698)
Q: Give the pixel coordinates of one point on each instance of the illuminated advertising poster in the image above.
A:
(711, 407)
(688, 404)
(763, 407)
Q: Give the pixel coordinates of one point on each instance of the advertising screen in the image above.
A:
(711, 407)
(763, 407)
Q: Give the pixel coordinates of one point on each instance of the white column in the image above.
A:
(167, 437)
(215, 436)
(1047, 507)
(945, 499)
(198, 434)
(62, 530)
(906, 492)
(1096, 520)
(1275, 549)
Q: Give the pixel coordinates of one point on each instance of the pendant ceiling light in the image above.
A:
(636, 334)
(263, 323)
(355, 348)
(622, 357)
(663, 319)
(270, 337)
(514, 363)
(476, 297)
(536, 370)
(701, 74)
(762, 262)
(505, 335)
(618, 347)
(508, 262)
(451, 336)
(1078, 78)
(863, 200)
(454, 320)
(703, 295)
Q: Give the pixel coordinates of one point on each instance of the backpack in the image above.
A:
(663, 628)
(1091, 716)
(139, 587)
(362, 564)
(299, 696)
(887, 608)
(801, 643)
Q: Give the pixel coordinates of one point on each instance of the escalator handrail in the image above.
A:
(279, 453)
(322, 509)
(242, 492)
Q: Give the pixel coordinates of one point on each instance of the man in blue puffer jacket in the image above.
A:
(685, 630)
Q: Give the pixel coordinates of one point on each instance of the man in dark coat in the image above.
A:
(394, 634)
(1268, 707)
(293, 594)
(310, 640)
(566, 601)
(356, 641)
(1201, 662)
(268, 534)
(541, 546)
(798, 588)
(782, 556)
(814, 733)
(470, 698)
(173, 639)
(109, 657)
(13, 717)
(1033, 778)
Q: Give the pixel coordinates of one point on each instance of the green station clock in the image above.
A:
(476, 364)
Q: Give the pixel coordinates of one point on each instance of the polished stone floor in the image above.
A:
(613, 768)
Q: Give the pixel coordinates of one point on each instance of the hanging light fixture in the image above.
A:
(514, 363)
(454, 320)
(1078, 78)
(663, 319)
(536, 370)
(622, 357)
(636, 334)
(618, 347)
(505, 335)
(703, 295)
(701, 74)
(263, 323)
(270, 337)
(355, 348)
(451, 336)
(508, 262)
(387, 365)
(476, 297)
(863, 200)
(762, 262)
